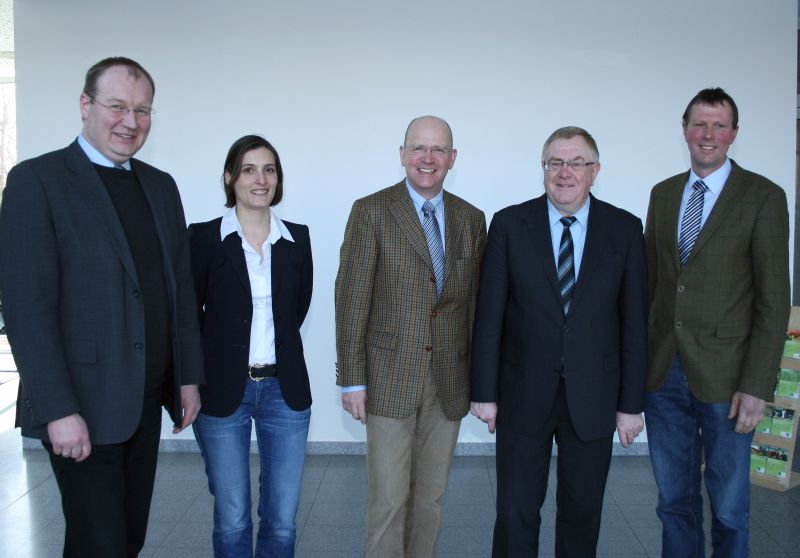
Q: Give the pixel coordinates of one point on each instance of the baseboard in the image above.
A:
(358, 448)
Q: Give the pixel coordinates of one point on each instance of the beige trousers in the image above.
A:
(407, 465)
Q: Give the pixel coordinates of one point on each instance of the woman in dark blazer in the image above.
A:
(253, 277)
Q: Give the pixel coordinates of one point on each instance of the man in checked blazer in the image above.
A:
(404, 318)
(719, 309)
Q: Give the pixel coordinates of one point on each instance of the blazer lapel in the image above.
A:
(730, 194)
(672, 212)
(402, 208)
(93, 192)
(279, 265)
(596, 232)
(538, 224)
(151, 188)
(453, 225)
(232, 246)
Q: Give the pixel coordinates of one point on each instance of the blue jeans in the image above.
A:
(679, 427)
(225, 445)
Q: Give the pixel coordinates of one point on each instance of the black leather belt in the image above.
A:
(258, 372)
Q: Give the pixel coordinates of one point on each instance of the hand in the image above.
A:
(748, 410)
(487, 412)
(355, 403)
(628, 427)
(190, 401)
(70, 437)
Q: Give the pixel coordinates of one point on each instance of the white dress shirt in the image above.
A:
(259, 270)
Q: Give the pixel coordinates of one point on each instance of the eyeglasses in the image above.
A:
(436, 150)
(556, 165)
(121, 110)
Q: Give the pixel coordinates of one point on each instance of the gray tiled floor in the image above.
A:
(332, 511)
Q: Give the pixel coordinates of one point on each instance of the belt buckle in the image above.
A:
(250, 372)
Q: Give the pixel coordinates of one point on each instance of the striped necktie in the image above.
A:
(566, 264)
(434, 237)
(690, 225)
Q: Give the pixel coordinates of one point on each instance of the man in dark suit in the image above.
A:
(405, 298)
(99, 307)
(559, 348)
(718, 269)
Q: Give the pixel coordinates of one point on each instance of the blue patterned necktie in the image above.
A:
(566, 264)
(434, 237)
(690, 225)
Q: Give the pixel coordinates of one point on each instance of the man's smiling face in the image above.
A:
(427, 155)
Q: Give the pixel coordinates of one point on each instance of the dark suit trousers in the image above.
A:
(523, 464)
(106, 497)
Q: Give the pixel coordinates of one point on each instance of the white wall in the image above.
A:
(333, 85)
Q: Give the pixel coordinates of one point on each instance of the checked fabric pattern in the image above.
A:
(566, 264)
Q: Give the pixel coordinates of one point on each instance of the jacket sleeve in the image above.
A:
(354, 283)
(489, 316)
(770, 260)
(191, 354)
(30, 287)
(633, 324)
(306, 279)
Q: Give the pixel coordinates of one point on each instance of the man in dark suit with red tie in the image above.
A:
(559, 348)
(100, 311)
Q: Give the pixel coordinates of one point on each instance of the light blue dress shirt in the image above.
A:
(438, 205)
(577, 230)
(98, 158)
(715, 182)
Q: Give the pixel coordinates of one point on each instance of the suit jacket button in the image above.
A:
(681, 288)
(434, 314)
(678, 325)
(428, 349)
(136, 294)
(433, 279)
(138, 345)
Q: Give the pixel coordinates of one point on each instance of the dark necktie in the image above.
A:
(434, 237)
(690, 225)
(566, 264)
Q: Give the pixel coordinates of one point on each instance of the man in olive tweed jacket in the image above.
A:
(403, 352)
(717, 324)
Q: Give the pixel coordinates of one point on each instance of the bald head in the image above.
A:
(435, 120)
(427, 154)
